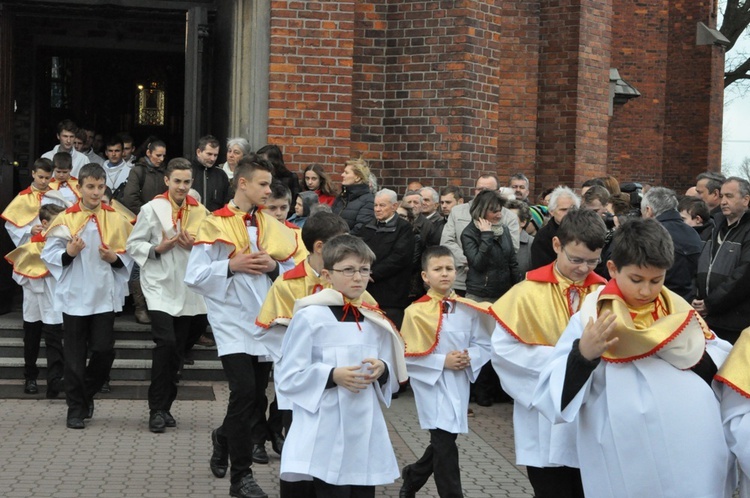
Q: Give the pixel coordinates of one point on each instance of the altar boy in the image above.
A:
(447, 343)
(340, 359)
(85, 252)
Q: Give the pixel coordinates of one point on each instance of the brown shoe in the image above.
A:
(206, 341)
(139, 302)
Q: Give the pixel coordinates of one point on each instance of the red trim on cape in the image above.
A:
(38, 238)
(296, 272)
(734, 387)
(546, 274)
(76, 208)
(224, 212)
(188, 199)
(26, 191)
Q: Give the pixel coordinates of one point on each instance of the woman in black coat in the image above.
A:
(493, 268)
(355, 202)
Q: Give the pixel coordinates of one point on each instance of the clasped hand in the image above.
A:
(354, 379)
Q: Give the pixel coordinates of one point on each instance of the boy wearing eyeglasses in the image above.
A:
(532, 317)
(447, 342)
(340, 359)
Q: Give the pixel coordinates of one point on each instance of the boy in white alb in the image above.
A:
(85, 252)
(160, 243)
(39, 316)
(340, 359)
(447, 342)
(62, 182)
(238, 252)
(633, 370)
(22, 214)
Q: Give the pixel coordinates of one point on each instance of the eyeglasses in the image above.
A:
(592, 263)
(349, 272)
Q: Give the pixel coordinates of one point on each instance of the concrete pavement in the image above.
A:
(116, 455)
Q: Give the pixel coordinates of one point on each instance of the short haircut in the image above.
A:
(49, 211)
(410, 215)
(435, 252)
(593, 181)
(714, 180)
(524, 214)
(242, 143)
(81, 134)
(409, 193)
(452, 189)
(43, 164)
(207, 140)
(585, 227)
(93, 171)
(519, 176)
(743, 184)
(322, 226)
(392, 196)
(249, 165)
(487, 200)
(125, 138)
(433, 193)
(596, 193)
(360, 168)
(642, 242)
(280, 191)
(344, 246)
(694, 207)
(309, 199)
(490, 175)
(563, 191)
(659, 199)
(66, 125)
(62, 161)
(114, 140)
(177, 164)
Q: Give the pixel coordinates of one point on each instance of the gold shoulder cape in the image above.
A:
(537, 310)
(297, 283)
(26, 259)
(190, 215)
(301, 253)
(735, 372)
(331, 297)
(227, 225)
(113, 228)
(72, 184)
(668, 327)
(24, 207)
(423, 320)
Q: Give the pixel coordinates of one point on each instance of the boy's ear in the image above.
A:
(611, 267)
(326, 275)
(698, 219)
(318, 247)
(424, 276)
(556, 245)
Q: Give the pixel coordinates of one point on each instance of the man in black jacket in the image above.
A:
(212, 184)
(661, 203)
(708, 187)
(724, 265)
(392, 241)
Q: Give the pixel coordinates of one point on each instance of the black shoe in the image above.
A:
(169, 420)
(247, 488)
(54, 387)
(156, 422)
(277, 442)
(106, 388)
(484, 401)
(75, 423)
(259, 453)
(30, 387)
(90, 413)
(220, 456)
(406, 490)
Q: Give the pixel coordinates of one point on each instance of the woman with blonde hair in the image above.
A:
(355, 202)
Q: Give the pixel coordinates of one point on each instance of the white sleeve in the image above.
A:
(480, 352)
(19, 235)
(139, 242)
(272, 338)
(52, 256)
(207, 273)
(426, 369)
(735, 415)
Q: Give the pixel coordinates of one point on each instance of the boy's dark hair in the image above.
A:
(114, 140)
(178, 163)
(485, 201)
(66, 125)
(322, 226)
(249, 165)
(62, 161)
(585, 227)
(81, 134)
(125, 138)
(452, 189)
(642, 242)
(280, 191)
(694, 207)
(204, 141)
(596, 192)
(343, 246)
(435, 252)
(43, 164)
(91, 170)
(49, 211)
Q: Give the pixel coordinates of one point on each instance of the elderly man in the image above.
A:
(560, 202)
(520, 185)
(460, 217)
(392, 240)
(724, 265)
(661, 203)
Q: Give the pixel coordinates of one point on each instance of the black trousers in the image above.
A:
(169, 335)
(439, 459)
(32, 338)
(297, 489)
(555, 482)
(246, 410)
(198, 326)
(322, 488)
(83, 334)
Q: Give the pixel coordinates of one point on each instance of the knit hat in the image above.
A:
(538, 213)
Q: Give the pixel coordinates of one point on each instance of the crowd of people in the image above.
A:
(610, 315)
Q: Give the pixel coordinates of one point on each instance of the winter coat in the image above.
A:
(355, 206)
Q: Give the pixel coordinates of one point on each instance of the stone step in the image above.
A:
(126, 348)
